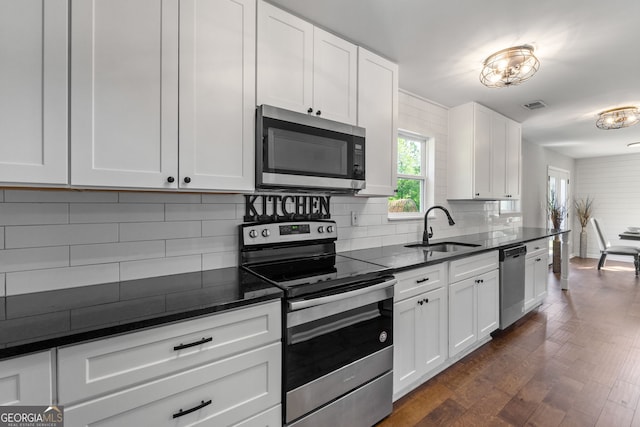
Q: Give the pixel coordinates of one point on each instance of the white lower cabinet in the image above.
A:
(535, 273)
(27, 380)
(223, 369)
(420, 326)
(473, 301)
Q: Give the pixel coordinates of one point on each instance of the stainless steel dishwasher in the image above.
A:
(512, 262)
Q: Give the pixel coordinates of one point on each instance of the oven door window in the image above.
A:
(319, 347)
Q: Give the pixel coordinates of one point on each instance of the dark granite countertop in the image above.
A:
(399, 257)
(43, 320)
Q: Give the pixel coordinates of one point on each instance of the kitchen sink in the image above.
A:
(443, 246)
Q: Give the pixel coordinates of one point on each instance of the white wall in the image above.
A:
(614, 184)
(56, 239)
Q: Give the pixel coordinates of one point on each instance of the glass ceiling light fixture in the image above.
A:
(509, 67)
(618, 118)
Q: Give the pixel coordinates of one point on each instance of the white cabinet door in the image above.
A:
(407, 328)
(285, 59)
(27, 380)
(482, 155)
(463, 325)
(498, 156)
(33, 91)
(124, 93)
(541, 269)
(420, 337)
(217, 94)
(335, 75)
(488, 301)
(378, 114)
(529, 282)
(513, 159)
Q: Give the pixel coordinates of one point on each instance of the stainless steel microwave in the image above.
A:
(300, 152)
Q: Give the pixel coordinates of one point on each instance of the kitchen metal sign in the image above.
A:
(275, 207)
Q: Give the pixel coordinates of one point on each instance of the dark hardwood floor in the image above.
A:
(573, 362)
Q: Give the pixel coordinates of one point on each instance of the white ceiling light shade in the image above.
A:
(509, 67)
(617, 118)
(634, 145)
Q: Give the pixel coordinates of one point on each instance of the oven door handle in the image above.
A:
(298, 305)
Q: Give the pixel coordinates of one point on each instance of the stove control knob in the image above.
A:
(253, 234)
(321, 229)
(266, 232)
(330, 229)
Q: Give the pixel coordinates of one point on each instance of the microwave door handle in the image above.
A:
(298, 305)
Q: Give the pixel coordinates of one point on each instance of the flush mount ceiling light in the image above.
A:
(509, 67)
(617, 118)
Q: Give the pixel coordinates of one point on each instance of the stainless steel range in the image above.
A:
(338, 323)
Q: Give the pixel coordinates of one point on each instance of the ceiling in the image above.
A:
(589, 58)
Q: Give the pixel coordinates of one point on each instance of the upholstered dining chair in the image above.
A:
(607, 249)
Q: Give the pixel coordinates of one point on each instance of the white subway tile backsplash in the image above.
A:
(132, 231)
(34, 213)
(183, 212)
(202, 245)
(223, 198)
(57, 196)
(34, 258)
(212, 261)
(24, 282)
(2, 285)
(157, 197)
(222, 227)
(130, 270)
(56, 235)
(115, 212)
(116, 252)
(381, 230)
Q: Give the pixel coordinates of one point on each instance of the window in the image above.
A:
(411, 196)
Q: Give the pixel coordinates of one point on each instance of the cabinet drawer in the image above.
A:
(26, 380)
(417, 281)
(269, 418)
(103, 366)
(537, 247)
(464, 268)
(240, 385)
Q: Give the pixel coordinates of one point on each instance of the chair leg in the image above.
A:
(603, 257)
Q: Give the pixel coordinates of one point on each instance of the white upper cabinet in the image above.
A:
(484, 154)
(124, 97)
(378, 114)
(304, 68)
(217, 94)
(140, 68)
(33, 91)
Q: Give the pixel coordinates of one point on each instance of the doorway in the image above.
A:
(558, 187)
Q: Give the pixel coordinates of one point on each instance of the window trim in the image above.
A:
(426, 176)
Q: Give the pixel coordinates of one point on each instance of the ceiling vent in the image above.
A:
(535, 105)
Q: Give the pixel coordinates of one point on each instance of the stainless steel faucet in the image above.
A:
(428, 232)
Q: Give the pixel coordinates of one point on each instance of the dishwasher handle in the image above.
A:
(512, 252)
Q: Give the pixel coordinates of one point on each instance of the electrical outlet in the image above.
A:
(354, 218)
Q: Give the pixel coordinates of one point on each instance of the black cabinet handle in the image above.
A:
(538, 259)
(422, 280)
(477, 194)
(193, 344)
(426, 300)
(318, 112)
(195, 408)
(421, 302)
(171, 179)
(187, 179)
(310, 110)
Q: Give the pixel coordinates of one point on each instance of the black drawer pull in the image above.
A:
(195, 408)
(193, 344)
(426, 300)
(422, 280)
(538, 259)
